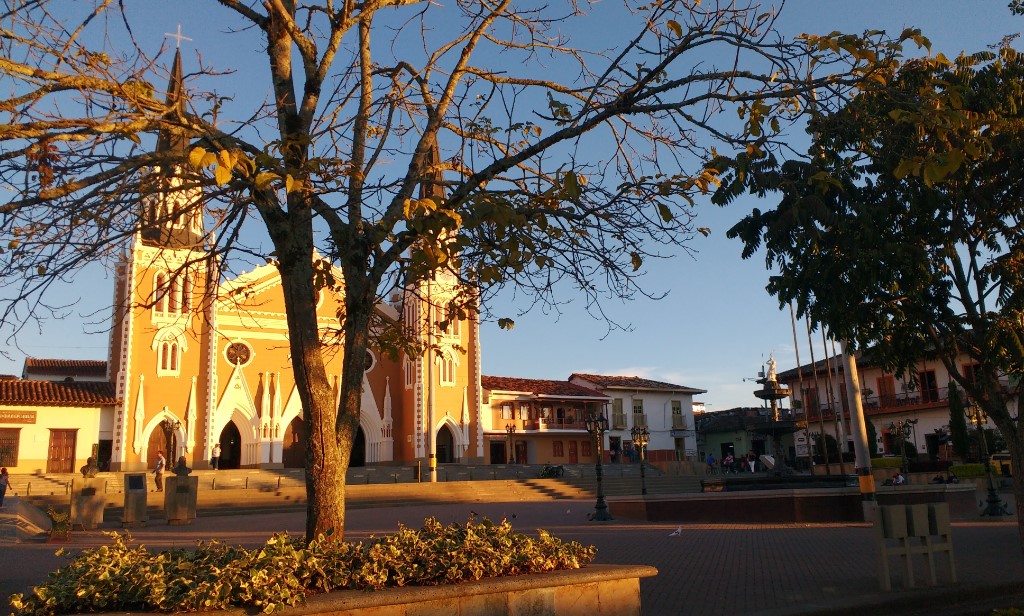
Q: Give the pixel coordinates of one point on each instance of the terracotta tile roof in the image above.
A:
(540, 387)
(68, 367)
(56, 393)
(633, 382)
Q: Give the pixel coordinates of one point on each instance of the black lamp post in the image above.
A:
(170, 429)
(640, 439)
(510, 430)
(597, 426)
(993, 505)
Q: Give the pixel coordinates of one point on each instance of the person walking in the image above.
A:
(158, 471)
(215, 457)
(5, 482)
(729, 463)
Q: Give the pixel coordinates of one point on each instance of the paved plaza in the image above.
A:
(705, 570)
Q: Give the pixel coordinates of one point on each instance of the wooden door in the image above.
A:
(61, 458)
(886, 391)
(929, 386)
(573, 454)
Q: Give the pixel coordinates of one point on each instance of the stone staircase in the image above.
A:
(253, 490)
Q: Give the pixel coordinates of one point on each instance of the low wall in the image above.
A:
(596, 590)
(786, 506)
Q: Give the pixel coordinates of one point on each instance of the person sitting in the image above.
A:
(938, 479)
(953, 478)
(898, 479)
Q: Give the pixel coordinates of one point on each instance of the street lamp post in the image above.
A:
(510, 430)
(597, 426)
(993, 505)
(640, 439)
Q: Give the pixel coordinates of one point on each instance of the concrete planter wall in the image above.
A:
(787, 506)
(596, 590)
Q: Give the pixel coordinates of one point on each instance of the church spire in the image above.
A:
(172, 215)
(174, 141)
(433, 180)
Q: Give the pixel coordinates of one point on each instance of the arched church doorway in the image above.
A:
(162, 439)
(294, 453)
(445, 446)
(358, 457)
(230, 446)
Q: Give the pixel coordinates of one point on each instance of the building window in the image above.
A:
(160, 294)
(558, 449)
(524, 411)
(186, 294)
(9, 439)
(238, 353)
(175, 296)
(811, 402)
(929, 386)
(639, 419)
(506, 410)
(447, 370)
(410, 373)
(970, 372)
(677, 414)
(586, 449)
(886, 391)
(168, 360)
(618, 416)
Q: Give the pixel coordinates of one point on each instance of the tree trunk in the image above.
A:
(326, 462)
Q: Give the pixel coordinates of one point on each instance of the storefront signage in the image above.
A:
(17, 417)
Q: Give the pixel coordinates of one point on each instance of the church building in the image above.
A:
(196, 361)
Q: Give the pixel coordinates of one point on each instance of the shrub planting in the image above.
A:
(283, 571)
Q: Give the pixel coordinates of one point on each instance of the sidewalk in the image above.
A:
(706, 570)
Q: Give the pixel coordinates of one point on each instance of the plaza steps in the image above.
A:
(632, 486)
(228, 492)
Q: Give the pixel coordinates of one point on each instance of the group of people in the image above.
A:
(730, 465)
(898, 479)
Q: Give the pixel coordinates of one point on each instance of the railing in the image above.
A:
(550, 423)
(568, 423)
(886, 402)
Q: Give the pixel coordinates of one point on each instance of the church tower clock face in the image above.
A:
(238, 353)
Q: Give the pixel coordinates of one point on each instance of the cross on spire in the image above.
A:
(178, 37)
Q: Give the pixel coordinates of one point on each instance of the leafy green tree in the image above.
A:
(872, 437)
(901, 229)
(958, 435)
(400, 142)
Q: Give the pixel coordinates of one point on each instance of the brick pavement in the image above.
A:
(707, 570)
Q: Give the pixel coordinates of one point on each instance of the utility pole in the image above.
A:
(862, 459)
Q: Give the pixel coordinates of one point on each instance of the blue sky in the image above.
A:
(716, 327)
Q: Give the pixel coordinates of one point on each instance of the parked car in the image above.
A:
(1001, 463)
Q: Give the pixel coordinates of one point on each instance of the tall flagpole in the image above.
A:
(817, 395)
(800, 384)
(832, 402)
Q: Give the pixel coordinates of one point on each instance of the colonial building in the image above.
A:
(922, 403)
(665, 409)
(195, 361)
(539, 421)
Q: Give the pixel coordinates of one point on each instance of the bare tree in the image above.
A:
(562, 166)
